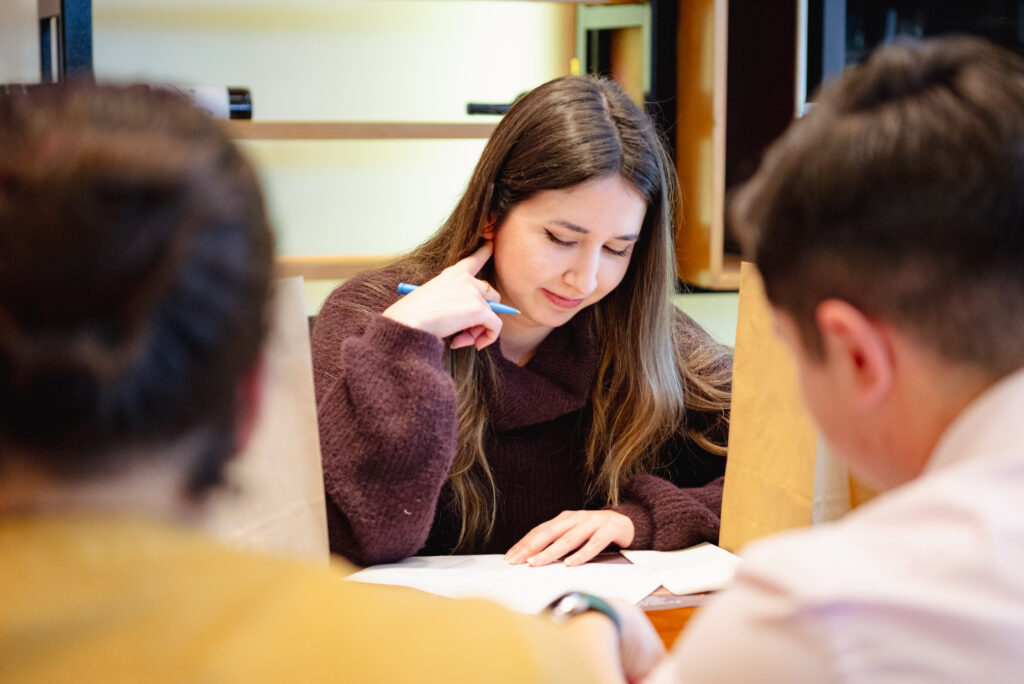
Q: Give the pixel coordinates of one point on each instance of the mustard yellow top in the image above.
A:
(115, 599)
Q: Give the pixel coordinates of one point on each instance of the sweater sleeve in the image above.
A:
(681, 504)
(666, 517)
(386, 412)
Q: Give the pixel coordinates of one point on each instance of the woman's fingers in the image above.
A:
(472, 264)
(478, 336)
(540, 537)
(586, 532)
(463, 339)
(489, 293)
(475, 261)
(570, 540)
(454, 303)
(598, 542)
(449, 305)
(487, 337)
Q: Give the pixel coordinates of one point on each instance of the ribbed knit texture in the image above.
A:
(387, 428)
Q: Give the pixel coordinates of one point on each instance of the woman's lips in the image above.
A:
(561, 301)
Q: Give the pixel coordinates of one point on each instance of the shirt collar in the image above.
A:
(991, 427)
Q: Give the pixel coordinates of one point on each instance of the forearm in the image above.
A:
(628, 652)
(387, 423)
(596, 637)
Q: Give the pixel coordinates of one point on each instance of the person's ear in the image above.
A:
(249, 394)
(490, 227)
(858, 350)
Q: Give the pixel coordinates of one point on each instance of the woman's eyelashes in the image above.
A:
(568, 243)
(554, 239)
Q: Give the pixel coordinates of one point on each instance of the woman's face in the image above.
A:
(560, 251)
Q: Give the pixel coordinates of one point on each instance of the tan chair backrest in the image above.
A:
(276, 503)
(780, 473)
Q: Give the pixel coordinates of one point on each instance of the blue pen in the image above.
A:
(406, 288)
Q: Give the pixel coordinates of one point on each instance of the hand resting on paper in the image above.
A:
(587, 533)
(453, 303)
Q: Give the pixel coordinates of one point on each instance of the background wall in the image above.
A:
(346, 60)
(19, 42)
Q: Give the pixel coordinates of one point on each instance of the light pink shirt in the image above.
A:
(923, 584)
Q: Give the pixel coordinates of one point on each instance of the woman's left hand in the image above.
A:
(588, 531)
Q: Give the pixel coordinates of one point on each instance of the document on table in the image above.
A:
(519, 587)
(698, 569)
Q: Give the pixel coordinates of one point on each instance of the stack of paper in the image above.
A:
(523, 588)
(519, 587)
(700, 568)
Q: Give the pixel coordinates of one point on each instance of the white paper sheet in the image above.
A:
(518, 587)
(704, 567)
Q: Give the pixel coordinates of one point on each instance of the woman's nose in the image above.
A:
(582, 273)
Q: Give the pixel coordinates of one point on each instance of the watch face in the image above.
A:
(570, 605)
(577, 603)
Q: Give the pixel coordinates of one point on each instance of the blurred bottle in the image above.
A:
(486, 108)
(221, 102)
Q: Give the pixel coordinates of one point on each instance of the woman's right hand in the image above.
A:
(454, 302)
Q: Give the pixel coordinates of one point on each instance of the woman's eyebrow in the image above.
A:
(631, 237)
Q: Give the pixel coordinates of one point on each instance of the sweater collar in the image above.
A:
(556, 381)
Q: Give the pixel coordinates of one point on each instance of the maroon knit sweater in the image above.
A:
(388, 436)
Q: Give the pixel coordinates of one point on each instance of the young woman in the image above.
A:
(595, 416)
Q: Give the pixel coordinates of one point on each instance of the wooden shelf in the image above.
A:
(702, 34)
(355, 130)
(327, 267)
(735, 94)
(729, 277)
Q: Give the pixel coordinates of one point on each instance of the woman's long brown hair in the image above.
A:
(648, 383)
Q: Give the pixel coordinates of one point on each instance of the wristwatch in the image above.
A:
(576, 603)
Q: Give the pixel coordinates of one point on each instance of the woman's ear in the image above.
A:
(858, 350)
(490, 227)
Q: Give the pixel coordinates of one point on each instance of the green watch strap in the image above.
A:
(576, 603)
